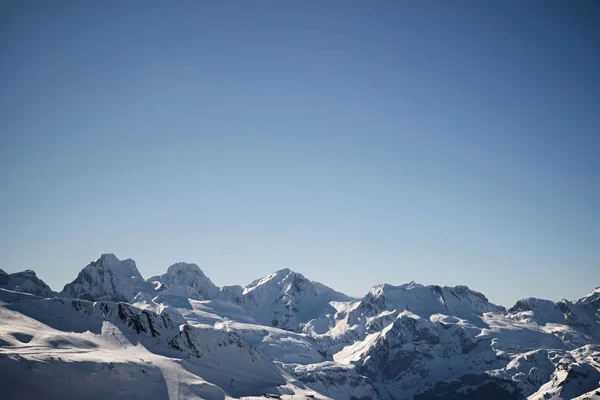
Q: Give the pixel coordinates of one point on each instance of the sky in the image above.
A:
(355, 142)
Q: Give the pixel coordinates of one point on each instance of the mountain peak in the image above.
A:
(592, 296)
(106, 258)
(411, 285)
(183, 268)
(427, 300)
(188, 280)
(111, 261)
(286, 299)
(107, 278)
(288, 274)
(26, 282)
(284, 271)
(275, 279)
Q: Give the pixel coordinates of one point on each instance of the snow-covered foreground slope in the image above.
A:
(180, 336)
(62, 348)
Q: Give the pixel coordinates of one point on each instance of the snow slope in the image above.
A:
(119, 344)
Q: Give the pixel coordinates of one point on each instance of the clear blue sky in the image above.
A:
(357, 142)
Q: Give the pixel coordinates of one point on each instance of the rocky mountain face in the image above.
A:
(107, 278)
(25, 282)
(291, 336)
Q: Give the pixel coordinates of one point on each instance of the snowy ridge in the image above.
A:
(582, 315)
(591, 297)
(427, 300)
(25, 282)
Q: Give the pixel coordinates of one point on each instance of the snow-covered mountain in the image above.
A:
(185, 280)
(180, 336)
(581, 315)
(287, 300)
(425, 301)
(107, 278)
(383, 303)
(26, 282)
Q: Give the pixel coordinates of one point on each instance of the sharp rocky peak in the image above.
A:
(276, 279)
(110, 261)
(284, 271)
(107, 278)
(105, 259)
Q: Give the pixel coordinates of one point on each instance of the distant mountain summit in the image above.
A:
(187, 280)
(25, 282)
(107, 278)
(383, 305)
(426, 300)
(181, 282)
(582, 315)
(286, 299)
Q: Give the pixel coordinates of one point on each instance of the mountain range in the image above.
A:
(110, 333)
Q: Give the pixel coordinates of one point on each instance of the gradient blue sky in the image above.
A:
(357, 142)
